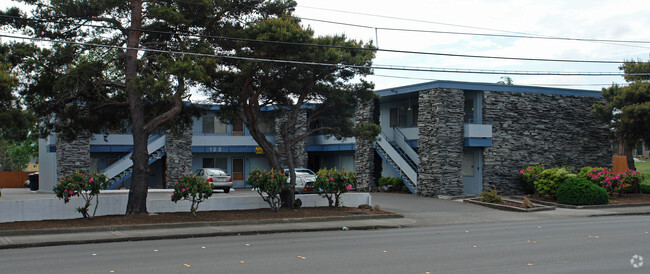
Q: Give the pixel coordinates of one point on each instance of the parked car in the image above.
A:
(305, 179)
(218, 177)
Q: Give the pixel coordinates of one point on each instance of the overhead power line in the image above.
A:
(349, 48)
(521, 34)
(293, 62)
(481, 34)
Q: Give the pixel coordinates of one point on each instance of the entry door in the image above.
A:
(237, 169)
(472, 171)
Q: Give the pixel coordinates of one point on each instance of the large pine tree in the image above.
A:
(111, 61)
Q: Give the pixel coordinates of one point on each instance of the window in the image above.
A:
(221, 163)
(208, 124)
(213, 125)
(398, 117)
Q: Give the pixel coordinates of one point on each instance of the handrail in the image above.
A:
(397, 158)
(155, 143)
(401, 142)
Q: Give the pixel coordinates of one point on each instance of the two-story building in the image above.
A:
(440, 137)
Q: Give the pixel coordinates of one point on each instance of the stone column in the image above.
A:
(72, 156)
(440, 124)
(179, 155)
(364, 152)
(299, 149)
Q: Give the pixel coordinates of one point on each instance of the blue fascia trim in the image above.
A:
(109, 148)
(223, 149)
(478, 142)
(485, 87)
(332, 147)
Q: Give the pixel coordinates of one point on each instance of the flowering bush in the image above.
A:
(550, 179)
(269, 184)
(86, 184)
(613, 182)
(332, 183)
(193, 188)
(596, 175)
(528, 175)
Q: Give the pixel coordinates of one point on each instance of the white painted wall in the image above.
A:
(115, 204)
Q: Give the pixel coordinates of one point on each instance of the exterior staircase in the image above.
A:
(122, 169)
(396, 157)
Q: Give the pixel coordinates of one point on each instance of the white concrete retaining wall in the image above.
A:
(115, 204)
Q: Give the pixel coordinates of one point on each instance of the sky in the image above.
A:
(612, 20)
(590, 19)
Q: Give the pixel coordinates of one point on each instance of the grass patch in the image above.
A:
(644, 168)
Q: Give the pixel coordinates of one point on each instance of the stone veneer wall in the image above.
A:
(72, 156)
(300, 149)
(364, 153)
(440, 123)
(540, 128)
(179, 155)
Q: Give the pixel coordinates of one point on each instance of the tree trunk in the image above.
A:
(137, 203)
(288, 196)
(628, 151)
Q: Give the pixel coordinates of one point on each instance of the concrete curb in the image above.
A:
(196, 230)
(509, 208)
(28, 232)
(583, 206)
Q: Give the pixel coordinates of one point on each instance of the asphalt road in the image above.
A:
(576, 245)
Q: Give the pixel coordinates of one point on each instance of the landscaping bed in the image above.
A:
(201, 216)
(510, 205)
(624, 200)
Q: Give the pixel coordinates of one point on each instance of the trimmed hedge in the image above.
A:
(578, 191)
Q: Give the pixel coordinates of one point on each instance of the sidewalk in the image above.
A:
(33, 238)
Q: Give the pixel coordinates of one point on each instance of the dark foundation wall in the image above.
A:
(533, 128)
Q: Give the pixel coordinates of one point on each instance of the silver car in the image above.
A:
(305, 179)
(217, 177)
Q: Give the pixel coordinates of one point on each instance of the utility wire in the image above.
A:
(293, 62)
(348, 48)
(481, 34)
(530, 84)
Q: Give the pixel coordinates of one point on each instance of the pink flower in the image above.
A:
(71, 192)
(331, 178)
(348, 187)
(172, 196)
(530, 168)
(271, 176)
(66, 198)
(521, 171)
(91, 180)
(182, 189)
(176, 183)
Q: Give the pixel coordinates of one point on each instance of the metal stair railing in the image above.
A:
(399, 161)
(400, 141)
(155, 143)
(410, 185)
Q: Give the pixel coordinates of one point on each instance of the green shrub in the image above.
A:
(645, 188)
(269, 184)
(579, 191)
(332, 183)
(391, 183)
(86, 184)
(491, 197)
(550, 179)
(528, 175)
(192, 188)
